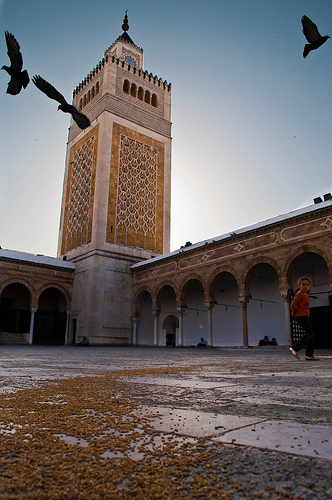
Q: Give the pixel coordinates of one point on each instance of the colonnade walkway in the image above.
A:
(148, 422)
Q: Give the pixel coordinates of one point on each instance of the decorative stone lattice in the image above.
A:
(79, 196)
(137, 191)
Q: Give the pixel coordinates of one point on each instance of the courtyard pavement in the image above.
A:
(263, 417)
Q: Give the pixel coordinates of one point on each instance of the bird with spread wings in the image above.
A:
(18, 78)
(312, 35)
(51, 92)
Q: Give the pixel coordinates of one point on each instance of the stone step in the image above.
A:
(8, 338)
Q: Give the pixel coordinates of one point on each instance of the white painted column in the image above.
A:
(135, 330)
(288, 319)
(32, 322)
(155, 327)
(180, 339)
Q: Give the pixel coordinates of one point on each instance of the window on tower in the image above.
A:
(154, 100)
(126, 86)
(130, 61)
(133, 90)
(140, 94)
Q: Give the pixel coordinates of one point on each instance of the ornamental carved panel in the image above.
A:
(137, 191)
(77, 228)
(135, 216)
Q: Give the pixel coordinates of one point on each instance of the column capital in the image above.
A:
(285, 295)
(156, 312)
(244, 300)
(33, 309)
(209, 305)
(180, 309)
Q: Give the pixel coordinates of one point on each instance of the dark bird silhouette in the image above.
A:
(312, 35)
(51, 92)
(19, 78)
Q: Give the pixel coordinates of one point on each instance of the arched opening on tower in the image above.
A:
(133, 90)
(126, 87)
(154, 101)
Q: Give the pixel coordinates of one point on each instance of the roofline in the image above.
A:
(30, 258)
(239, 232)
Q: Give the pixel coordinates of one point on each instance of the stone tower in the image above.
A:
(117, 187)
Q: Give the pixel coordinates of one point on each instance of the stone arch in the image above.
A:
(265, 308)
(227, 323)
(15, 307)
(147, 97)
(300, 251)
(249, 269)
(50, 320)
(311, 262)
(143, 316)
(214, 276)
(170, 324)
(19, 281)
(185, 281)
(164, 283)
(137, 298)
(58, 287)
(193, 310)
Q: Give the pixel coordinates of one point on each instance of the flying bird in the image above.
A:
(312, 35)
(19, 78)
(51, 92)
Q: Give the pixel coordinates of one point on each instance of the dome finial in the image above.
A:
(125, 25)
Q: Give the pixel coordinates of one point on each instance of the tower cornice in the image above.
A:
(144, 74)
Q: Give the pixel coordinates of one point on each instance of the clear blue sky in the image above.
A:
(252, 119)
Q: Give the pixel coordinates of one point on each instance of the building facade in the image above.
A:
(35, 298)
(235, 289)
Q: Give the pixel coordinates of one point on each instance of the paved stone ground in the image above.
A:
(221, 423)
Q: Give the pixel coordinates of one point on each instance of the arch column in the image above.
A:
(244, 301)
(180, 339)
(135, 331)
(288, 320)
(209, 307)
(155, 327)
(32, 322)
(67, 328)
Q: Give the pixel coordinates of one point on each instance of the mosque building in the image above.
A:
(115, 280)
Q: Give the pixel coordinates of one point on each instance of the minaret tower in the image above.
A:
(117, 188)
